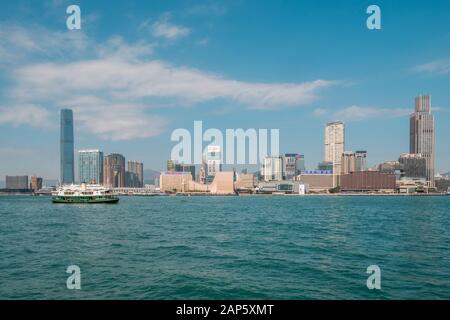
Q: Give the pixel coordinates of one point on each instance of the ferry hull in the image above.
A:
(74, 200)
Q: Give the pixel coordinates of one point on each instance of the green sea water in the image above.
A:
(226, 248)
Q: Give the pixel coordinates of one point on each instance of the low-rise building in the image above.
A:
(317, 180)
(173, 182)
(181, 182)
(282, 187)
(367, 181)
(245, 182)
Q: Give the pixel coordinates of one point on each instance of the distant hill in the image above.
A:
(150, 175)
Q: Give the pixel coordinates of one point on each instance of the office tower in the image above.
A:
(272, 169)
(413, 165)
(131, 180)
(293, 165)
(353, 161)
(66, 147)
(114, 170)
(36, 183)
(300, 164)
(325, 166)
(171, 165)
(136, 173)
(16, 182)
(90, 166)
(334, 147)
(422, 134)
(186, 168)
(361, 160)
(348, 162)
(212, 162)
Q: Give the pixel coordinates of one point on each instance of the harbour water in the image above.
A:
(226, 248)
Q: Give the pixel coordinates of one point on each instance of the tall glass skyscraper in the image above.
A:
(422, 135)
(66, 147)
(90, 166)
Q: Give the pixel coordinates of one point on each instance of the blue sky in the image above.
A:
(137, 70)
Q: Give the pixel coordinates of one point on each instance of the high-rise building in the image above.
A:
(90, 166)
(272, 169)
(360, 160)
(422, 134)
(171, 165)
(212, 161)
(300, 163)
(353, 161)
(414, 165)
(36, 183)
(348, 162)
(334, 147)
(294, 164)
(114, 171)
(17, 182)
(136, 173)
(66, 147)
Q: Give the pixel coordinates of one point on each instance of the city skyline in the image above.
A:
(369, 81)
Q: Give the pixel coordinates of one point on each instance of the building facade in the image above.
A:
(293, 164)
(272, 169)
(413, 165)
(67, 173)
(171, 165)
(422, 134)
(36, 183)
(335, 146)
(114, 171)
(90, 166)
(324, 165)
(212, 162)
(360, 160)
(348, 162)
(186, 168)
(136, 172)
(16, 182)
(353, 161)
(317, 180)
(367, 181)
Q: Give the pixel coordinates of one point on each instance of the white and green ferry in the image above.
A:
(84, 193)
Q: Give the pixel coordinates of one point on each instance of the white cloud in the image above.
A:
(22, 45)
(163, 28)
(124, 79)
(114, 121)
(441, 66)
(358, 113)
(27, 114)
(114, 92)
